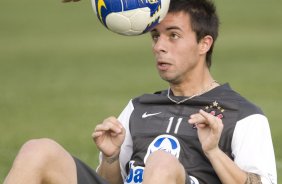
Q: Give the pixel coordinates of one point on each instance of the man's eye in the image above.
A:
(174, 36)
(155, 36)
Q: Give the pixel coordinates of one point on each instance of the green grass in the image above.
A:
(61, 72)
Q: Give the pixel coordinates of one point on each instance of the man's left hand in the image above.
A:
(209, 129)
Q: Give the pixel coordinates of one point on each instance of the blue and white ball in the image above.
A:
(130, 17)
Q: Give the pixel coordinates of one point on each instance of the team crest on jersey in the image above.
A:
(215, 109)
(166, 143)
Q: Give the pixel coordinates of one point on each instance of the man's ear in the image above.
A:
(205, 44)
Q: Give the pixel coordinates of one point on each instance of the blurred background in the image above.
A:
(61, 71)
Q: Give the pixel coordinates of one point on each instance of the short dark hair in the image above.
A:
(204, 19)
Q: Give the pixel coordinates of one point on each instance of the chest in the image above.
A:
(149, 121)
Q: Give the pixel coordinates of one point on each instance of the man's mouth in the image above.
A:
(162, 65)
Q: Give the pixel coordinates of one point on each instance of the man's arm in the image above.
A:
(108, 137)
(109, 169)
(253, 149)
(226, 169)
(209, 132)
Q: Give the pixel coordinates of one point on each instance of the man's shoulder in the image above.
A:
(245, 106)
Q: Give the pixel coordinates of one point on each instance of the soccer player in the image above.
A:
(196, 132)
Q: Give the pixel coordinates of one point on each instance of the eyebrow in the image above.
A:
(173, 27)
(168, 28)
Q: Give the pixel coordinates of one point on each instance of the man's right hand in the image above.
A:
(109, 136)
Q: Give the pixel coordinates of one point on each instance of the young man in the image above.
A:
(197, 131)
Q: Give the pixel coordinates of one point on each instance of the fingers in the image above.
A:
(211, 120)
(196, 119)
(109, 136)
(203, 119)
(111, 125)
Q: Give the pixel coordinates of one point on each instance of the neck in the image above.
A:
(193, 87)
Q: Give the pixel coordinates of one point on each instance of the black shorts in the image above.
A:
(86, 175)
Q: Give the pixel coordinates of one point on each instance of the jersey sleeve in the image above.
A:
(252, 148)
(126, 148)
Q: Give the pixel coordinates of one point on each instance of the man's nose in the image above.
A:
(160, 45)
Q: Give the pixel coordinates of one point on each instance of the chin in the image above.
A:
(170, 80)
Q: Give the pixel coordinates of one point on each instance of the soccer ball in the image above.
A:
(130, 17)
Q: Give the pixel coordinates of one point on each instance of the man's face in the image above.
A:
(175, 48)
